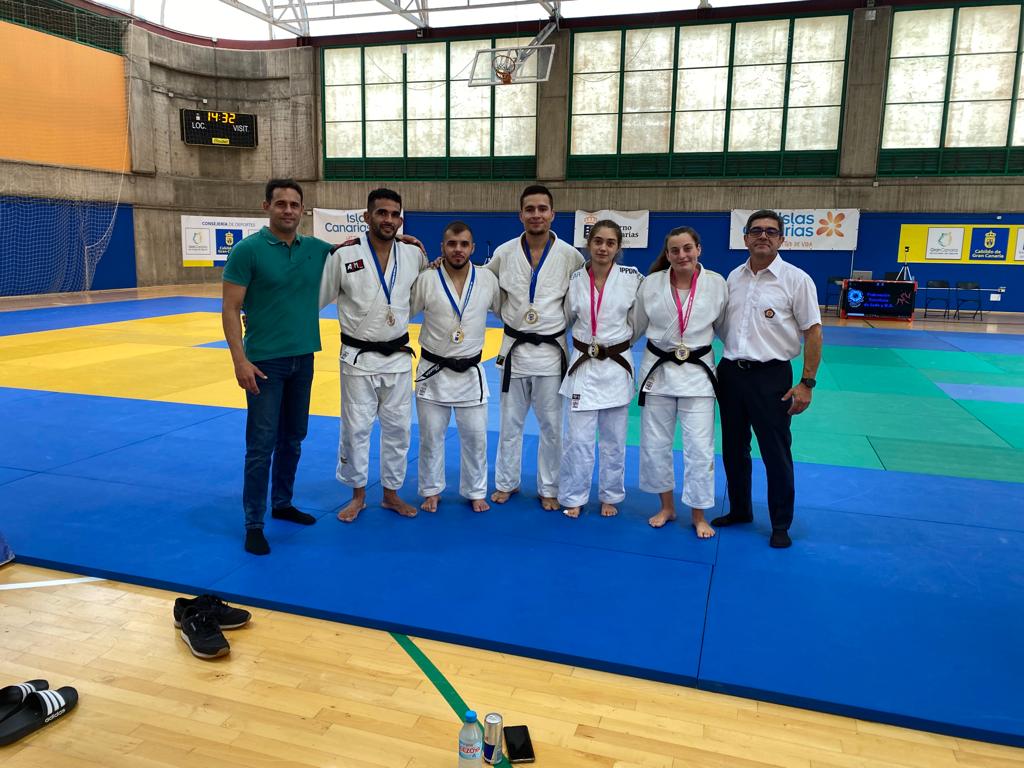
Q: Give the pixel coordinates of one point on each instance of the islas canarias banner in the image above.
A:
(806, 229)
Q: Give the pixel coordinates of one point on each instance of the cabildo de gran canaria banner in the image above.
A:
(806, 229)
(961, 244)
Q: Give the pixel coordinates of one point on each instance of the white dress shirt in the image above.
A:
(514, 269)
(768, 312)
(351, 281)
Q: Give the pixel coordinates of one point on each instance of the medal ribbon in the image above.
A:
(389, 285)
(684, 320)
(595, 309)
(534, 272)
(465, 298)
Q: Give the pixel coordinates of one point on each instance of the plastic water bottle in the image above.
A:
(471, 742)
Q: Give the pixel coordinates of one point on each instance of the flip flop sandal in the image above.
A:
(12, 697)
(38, 709)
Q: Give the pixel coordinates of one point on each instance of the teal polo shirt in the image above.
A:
(282, 297)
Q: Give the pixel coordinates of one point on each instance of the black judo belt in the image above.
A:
(595, 351)
(521, 337)
(387, 348)
(457, 364)
(678, 357)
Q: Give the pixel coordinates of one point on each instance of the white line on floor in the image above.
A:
(51, 583)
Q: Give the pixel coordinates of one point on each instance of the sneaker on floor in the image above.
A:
(227, 617)
(202, 635)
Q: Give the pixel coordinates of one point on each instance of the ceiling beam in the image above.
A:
(398, 10)
(264, 16)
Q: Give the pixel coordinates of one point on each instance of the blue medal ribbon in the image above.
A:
(389, 285)
(465, 299)
(535, 272)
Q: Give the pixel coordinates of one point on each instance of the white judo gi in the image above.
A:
(441, 390)
(599, 391)
(535, 373)
(373, 385)
(682, 393)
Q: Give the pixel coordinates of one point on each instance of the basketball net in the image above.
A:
(504, 66)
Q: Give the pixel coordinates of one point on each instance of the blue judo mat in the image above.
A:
(900, 601)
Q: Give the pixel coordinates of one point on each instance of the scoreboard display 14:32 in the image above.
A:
(220, 129)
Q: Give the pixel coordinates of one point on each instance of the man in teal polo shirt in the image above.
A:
(274, 276)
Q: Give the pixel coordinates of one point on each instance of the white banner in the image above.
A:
(807, 229)
(337, 226)
(635, 226)
(206, 241)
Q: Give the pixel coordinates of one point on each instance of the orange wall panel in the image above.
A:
(64, 103)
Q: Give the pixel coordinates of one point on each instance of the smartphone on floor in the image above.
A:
(518, 747)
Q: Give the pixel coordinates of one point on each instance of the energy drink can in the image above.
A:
(492, 738)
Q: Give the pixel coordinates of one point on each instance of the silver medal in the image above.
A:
(458, 335)
(531, 315)
(391, 319)
(682, 352)
(594, 349)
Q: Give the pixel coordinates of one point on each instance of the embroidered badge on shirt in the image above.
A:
(354, 266)
(575, 401)
(769, 313)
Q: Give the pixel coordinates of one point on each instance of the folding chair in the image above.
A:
(968, 294)
(937, 295)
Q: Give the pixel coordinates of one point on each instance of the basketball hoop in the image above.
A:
(504, 66)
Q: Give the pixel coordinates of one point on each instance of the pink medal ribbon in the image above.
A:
(595, 309)
(682, 351)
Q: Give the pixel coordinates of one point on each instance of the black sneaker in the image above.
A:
(227, 617)
(202, 635)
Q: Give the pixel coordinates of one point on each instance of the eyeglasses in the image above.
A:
(756, 232)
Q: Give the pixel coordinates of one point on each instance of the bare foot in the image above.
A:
(704, 531)
(430, 503)
(607, 510)
(500, 497)
(663, 516)
(572, 512)
(392, 502)
(480, 505)
(350, 511)
(549, 503)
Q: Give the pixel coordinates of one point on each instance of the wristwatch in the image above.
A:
(809, 383)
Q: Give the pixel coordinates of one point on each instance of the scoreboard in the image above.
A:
(220, 129)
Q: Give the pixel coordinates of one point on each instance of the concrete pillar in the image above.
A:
(553, 113)
(142, 145)
(865, 92)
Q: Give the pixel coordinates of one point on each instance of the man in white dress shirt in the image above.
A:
(371, 282)
(533, 272)
(772, 304)
(454, 299)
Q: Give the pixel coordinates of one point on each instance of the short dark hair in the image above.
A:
(455, 227)
(536, 189)
(661, 263)
(764, 213)
(281, 184)
(382, 194)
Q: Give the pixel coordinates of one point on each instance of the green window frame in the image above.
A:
(472, 118)
(941, 127)
(705, 156)
(67, 21)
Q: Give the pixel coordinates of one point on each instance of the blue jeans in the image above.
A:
(275, 427)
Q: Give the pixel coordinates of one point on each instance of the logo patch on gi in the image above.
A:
(499, 361)
(575, 402)
(354, 266)
(769, 313)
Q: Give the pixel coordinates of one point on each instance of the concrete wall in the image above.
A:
(282, 87)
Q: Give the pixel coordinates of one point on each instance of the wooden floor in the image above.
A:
(304, 692)
(299, 692)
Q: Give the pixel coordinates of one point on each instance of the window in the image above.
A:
(407, 112)
(745, 98)
(950, 103)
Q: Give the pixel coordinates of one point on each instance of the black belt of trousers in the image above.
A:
(670, 357)
(457, 364)
(599, 352)
(390, 347)
(522, 337)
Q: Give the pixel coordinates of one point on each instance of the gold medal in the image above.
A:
(391, 319)
(531, 315)
(458, 335)
(682, 352)
(594, 349)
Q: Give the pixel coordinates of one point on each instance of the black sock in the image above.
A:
(256, 542)
(780, 539)
(292, 515)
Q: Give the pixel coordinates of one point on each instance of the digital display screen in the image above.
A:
(879, 298)
(218, 129)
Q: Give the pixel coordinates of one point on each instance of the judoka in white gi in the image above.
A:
(371, 283)
(680, 305)
(599, 386)
(454, 299)
(533, 272)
